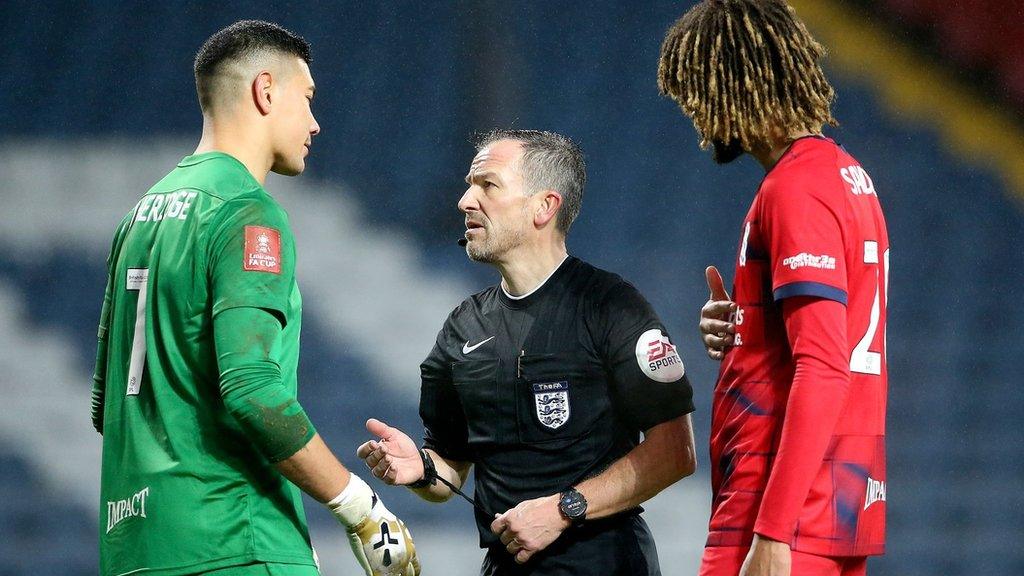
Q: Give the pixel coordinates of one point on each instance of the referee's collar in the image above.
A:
(526, 299)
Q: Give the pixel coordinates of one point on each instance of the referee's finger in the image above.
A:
(370, 461)
(382, 467)
(365, 448)
(499, 524)
(390, 474)
(373, 458)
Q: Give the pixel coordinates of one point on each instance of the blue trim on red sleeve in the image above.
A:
(811, 289)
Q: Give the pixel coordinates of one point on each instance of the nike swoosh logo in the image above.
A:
(466, 348)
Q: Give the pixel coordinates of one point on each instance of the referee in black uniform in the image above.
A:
(545, 383)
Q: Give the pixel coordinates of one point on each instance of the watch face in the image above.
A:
(573, 504)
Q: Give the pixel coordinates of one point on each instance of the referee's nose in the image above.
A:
(468, 201)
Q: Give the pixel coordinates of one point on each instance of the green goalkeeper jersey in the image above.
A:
(184, 490)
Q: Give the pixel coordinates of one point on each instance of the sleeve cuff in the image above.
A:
(445, 452)
(816, 289)
(680, 410)
(274, 307)
(773, 531)
(290, 450)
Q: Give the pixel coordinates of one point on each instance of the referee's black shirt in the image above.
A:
(544, 391)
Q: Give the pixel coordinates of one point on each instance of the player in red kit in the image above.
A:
(798, 424)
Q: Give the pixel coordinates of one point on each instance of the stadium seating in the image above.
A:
(40, 534)
(400, 90)
(976, 34)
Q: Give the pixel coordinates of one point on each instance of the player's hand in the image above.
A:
(716, 327)
(767, 558)
(382, 545)
(530, 527)
(394, 458)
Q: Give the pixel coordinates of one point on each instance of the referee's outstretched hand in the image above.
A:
(717, 329)
(394, 458)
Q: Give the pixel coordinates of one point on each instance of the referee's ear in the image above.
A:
(546, 204)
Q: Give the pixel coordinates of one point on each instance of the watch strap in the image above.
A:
(429, 472)
(577, 514)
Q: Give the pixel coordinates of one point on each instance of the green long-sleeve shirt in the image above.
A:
(195, 378)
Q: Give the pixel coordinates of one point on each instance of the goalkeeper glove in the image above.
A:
(380, 541)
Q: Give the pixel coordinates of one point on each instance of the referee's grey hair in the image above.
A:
(550, 161)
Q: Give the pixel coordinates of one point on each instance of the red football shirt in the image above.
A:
(815, 229)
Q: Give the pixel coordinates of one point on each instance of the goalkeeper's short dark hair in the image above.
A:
(241, 40)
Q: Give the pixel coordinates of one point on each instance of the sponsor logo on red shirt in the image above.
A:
(823, 262)
(875, 492)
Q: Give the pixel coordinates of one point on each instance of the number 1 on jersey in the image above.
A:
(138, 280)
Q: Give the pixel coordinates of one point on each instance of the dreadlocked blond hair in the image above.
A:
(745, 70)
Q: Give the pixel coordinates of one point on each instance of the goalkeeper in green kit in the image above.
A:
(204, 441)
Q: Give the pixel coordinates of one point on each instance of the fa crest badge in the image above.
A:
(263, 243)
(551, 400)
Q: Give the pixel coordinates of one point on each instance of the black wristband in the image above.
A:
(429, 472)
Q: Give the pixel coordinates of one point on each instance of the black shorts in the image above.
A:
(621, 545)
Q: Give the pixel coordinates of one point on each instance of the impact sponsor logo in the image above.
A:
(262, 250)
(875, 492)
(551, 400)
(133, 507)
(658, 358)
(803, 259)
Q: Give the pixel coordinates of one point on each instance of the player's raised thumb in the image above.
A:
(715, 284)
(378, 428)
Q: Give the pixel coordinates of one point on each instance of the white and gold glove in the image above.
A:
(380, 541)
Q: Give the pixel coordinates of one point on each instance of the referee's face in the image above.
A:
(495, 204)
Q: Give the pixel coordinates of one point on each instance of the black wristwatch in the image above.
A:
(573, 506)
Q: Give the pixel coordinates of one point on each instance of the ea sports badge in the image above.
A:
(658, 358)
